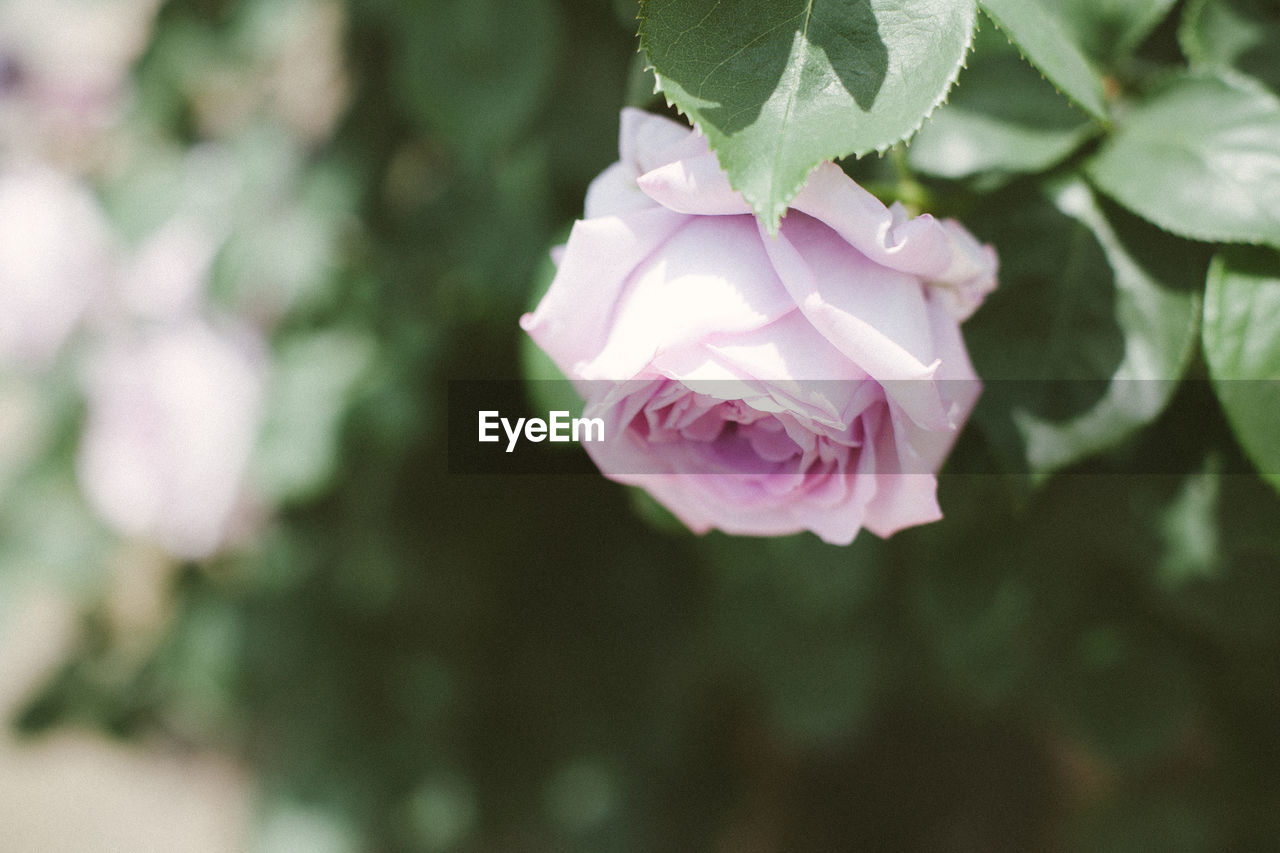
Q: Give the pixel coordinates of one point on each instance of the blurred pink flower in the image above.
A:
(172, 422)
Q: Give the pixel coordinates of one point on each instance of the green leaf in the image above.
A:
(1158, 325)
(1202, 159)
(1037, 27)
(1096, 314)
(1108, 30)
(1242, 347)
(1239, 34)
(1002, 117)
(779, 86)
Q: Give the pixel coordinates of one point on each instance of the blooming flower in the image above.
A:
(764, 384)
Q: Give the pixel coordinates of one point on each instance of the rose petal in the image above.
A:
(572, 321)
(941, 253)
(787, 349)
(964, 285)
(614, 192)
(902, 501)
(710, 278)
(693, 185)
(888, 237)
(647, 141)
(851, 303)
(804, 371)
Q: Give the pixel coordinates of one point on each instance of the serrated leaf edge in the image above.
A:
(1103, 117)
(771, 219)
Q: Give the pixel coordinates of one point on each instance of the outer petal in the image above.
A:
(964, 286)
(905, 492)
(917, 246)
(873, 315)
(958, 383)
(908, 488)
(614, 192)
(694, 185)
(940, 253)
(572, 321)
(647, 141)
(902, 501)
(711, 278)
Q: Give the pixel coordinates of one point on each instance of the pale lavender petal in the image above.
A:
(964, 285)
(849, 307)
(710, 278)
(918, 246)
(647, 141)
(902, 501)
(614, 192)
(942, 253)
(571, 323)
(905, 495)
(694, 185)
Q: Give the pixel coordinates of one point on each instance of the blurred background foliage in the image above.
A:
(323, 211)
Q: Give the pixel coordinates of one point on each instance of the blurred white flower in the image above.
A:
(55, 258)
(66, 64)
(172, 421)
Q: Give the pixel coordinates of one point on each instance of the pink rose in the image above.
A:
(764, 385)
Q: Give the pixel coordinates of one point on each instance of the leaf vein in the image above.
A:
(793, 90)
